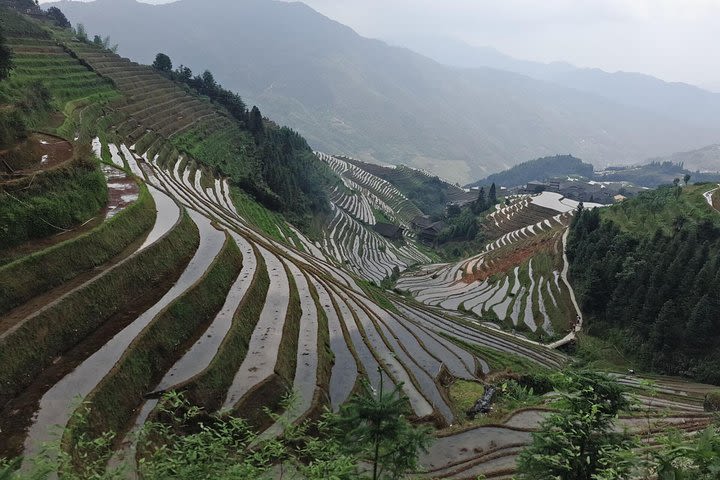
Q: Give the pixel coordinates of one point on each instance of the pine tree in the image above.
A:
(255, 121)
(5, 57)
(375, 427)
(492, 195)
(480, 203)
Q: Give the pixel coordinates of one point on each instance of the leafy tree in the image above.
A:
(98, 41)
(58, 17)
(578, 442)
(163, 63)
(81, 32)
(480, 203)
(683, 459)
(182, 74)
(374, 427)
(686, 178)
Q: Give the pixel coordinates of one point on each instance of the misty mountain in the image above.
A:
(354, 95)
(679, 101)
(706, 159)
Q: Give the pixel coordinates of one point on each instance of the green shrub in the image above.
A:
(712, 401)
(50, 202)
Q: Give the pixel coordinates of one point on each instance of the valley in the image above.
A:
(156, 243)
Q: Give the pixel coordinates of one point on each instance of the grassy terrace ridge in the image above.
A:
(51, 201)
(155, 350)
(30, 348)
(34, 274)
(207, 389)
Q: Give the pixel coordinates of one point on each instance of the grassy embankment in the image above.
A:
(153, 352)
(36, 342)
(38, 273)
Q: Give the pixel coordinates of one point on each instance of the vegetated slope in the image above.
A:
(235, 318)
(47, 186)
(345, 93)
(429, 192)
(539, 169)
(647, 274)
(516, 281)
(272, 163)
(680, 101)
(706, 159)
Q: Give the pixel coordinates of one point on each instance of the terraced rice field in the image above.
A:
(349, 241)
(379, 193)
(45, 61)
(491, 450)
(518, 279)
(172, 289)
(285, 305)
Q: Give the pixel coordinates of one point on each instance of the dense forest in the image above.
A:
(647, 273)
(289, 178)
(539, 169)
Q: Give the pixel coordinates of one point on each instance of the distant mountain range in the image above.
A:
(679, 101)
(706, 159)
(354, 95)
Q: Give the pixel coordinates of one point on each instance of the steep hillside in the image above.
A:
(234, 318)
(349, 94)
(706, 159)
(647, 273)
(539, 169)
(181, 285)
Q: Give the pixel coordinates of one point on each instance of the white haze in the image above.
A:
(676, 40)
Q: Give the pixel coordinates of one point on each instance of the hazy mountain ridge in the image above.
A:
(346, 93)
(676, 100)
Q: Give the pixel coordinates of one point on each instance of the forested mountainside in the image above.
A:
(647, 275)
(538, 170)
(352, 95)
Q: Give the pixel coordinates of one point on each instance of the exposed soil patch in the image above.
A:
(504, 263)
(54, 151)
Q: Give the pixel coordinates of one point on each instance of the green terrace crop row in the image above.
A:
(27, 350)
(156, 349)
(38, 273)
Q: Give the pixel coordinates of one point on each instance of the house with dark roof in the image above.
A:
(430, 234)
(388, 230)
(420, 221)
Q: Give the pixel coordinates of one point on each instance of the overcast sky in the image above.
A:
(676, 40)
